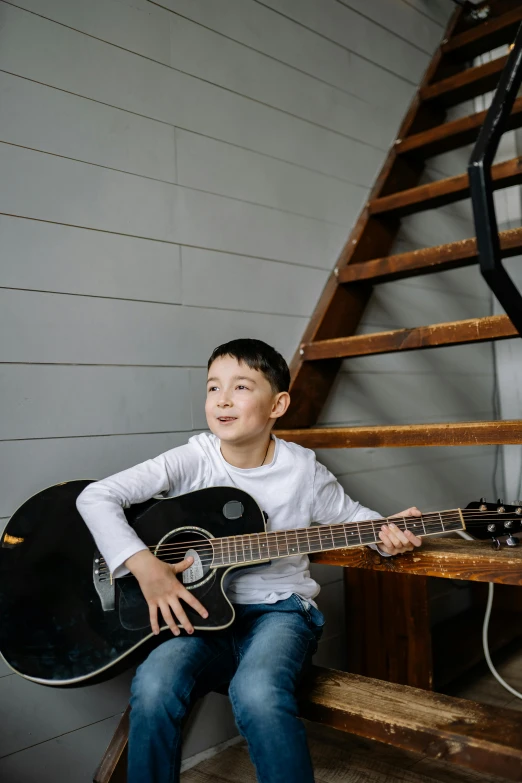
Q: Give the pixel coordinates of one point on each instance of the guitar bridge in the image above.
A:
(104, 585)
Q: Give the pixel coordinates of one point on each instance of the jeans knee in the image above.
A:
(155, 693)
(260, 702)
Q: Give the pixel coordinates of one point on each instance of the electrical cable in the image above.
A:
(491, 585)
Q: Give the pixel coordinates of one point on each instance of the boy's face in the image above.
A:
(241, 405)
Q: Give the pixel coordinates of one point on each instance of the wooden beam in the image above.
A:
(465, 85)
(443, 557)
(452, 135)
(113, 766)
(479, 736)
(459, 433)
(444, 191)
(473, 330)
(426, 260)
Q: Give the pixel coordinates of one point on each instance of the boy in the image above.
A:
(262, 655)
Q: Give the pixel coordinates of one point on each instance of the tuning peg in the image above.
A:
(500, 502)
(496, 543)
(482, 500)
(512, 541)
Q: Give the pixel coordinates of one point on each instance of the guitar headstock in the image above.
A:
(494, 520)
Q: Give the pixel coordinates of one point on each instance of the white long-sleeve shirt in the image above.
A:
(294, 489)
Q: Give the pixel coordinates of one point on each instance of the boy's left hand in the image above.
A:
(395, 541)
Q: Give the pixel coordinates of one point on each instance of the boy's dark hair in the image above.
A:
(258, 356)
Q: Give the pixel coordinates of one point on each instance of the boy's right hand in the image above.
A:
(163, 590)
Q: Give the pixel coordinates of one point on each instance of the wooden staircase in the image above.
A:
(365, 260)
(446, 727)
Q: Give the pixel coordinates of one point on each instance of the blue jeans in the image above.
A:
(261, 657)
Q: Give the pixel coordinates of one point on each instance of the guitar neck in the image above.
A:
(259, 547)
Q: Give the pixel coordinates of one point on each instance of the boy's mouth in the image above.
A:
(226, 419)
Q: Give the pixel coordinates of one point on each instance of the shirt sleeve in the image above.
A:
(101, 503)
(331, 504)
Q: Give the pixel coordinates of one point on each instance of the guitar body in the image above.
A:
(62, 619)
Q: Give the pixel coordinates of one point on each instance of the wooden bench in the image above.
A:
(478, 736)
(484, 738)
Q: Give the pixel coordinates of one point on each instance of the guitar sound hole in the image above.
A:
(180, 544)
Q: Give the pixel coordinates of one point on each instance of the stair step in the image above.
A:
(452, 135)
(473, 330)
(426, 260)
(486, 36)
(460, 433)
(444, 191)
(465, 85)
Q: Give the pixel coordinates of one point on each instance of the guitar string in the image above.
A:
(251, 540)
(339, 528)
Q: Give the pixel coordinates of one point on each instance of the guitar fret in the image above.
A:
(252, 547)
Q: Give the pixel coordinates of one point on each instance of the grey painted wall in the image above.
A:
(174, 176)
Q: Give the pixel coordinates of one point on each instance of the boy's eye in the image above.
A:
(243, 387)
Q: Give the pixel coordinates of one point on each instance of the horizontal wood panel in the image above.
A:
(217, 167)
(258, 27)
(449, 558)
(43, 401)
(352, 31)
(467, 433)
(52, 257)
(28, 466)
(249, 284)
(71, 756)
(400, 399)
(436, 228)
(121, 203)
(55, 328)
(350, 465)
(431, 485)
(393, 305)
(85, 131)
(399, 18)
(105, 73)
(227, 64)
(453, 333)
(33, 713)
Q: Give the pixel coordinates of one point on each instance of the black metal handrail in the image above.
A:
(481, 188)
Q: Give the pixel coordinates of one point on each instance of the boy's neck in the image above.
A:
(249, 455)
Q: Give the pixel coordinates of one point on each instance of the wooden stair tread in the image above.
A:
(473, 330)
(484, 37)
(465, 85)
(426, 260)
(459, 433)
(444, 191)
(474, 735)
(479, 736)
(452, 135)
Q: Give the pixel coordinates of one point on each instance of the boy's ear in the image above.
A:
(280, 406)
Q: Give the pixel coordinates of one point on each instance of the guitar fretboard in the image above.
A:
(256, 547)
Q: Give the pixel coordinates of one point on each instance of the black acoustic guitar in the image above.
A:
(65, 622)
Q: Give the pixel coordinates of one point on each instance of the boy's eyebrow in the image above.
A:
(235, 378)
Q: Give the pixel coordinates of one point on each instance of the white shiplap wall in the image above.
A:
(175, 175)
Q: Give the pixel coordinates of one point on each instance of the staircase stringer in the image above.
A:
(340, 308)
